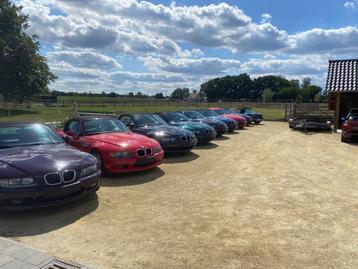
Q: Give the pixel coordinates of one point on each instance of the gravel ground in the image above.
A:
(266, 197)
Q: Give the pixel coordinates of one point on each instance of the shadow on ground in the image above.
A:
(41, 221)
(130, 179)
(180, 157)
(222, 138)
(206, 146)
(233, 133)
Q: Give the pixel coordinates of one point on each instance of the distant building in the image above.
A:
(342, 88)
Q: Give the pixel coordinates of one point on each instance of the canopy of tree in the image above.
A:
(180, 93)
(266, 88)
(23, 71)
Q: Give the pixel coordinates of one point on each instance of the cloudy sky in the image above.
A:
(156, 46)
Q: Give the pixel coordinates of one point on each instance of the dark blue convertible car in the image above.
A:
(38, 169)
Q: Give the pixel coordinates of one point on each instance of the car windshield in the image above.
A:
(222, 111)
(209, 113)
(353, 114)
(193, 115)
(27, 135)
(99, 126)
(175, 117)
(232, 111)
(249, 110)
(148, 120)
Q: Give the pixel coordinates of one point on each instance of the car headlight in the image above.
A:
(91, 170)
(121, 155)
(167, 139)
(18, 182)
(157, 149)
(160, 134)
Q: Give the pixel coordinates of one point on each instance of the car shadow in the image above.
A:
(206, 146)
(180, 157)
(312, 132)
(224, 137)
(44, 220)
(233, 133)
(130, 179)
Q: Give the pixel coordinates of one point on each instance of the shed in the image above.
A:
(342, 88)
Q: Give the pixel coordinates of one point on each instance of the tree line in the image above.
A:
(265, 88)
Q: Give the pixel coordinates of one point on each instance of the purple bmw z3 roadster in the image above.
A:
(38, 169)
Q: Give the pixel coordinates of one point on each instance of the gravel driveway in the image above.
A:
(266, 197)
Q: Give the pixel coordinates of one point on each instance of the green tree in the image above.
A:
(180, 93)
(23, 71)
(306, 82)
(159, 96)
(267, 96)
(275, 83)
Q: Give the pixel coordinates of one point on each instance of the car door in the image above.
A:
(72, 130)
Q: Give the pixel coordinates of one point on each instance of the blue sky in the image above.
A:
(156, 46)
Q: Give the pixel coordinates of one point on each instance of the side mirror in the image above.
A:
(131, 125)
(66, 138)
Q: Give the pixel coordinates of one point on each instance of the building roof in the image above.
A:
(342, 76)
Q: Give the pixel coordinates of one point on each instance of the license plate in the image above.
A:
(145, 161)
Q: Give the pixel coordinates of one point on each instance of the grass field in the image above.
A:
(63, 113)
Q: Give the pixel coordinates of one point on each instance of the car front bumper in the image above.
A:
(14, 200)
(134, 164)
(179, 146)
(205, 138)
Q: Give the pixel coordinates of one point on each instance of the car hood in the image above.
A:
(233, 116)
(189, 125)
(167, 129)
(208, 121)
(125, 140)
(43, 159)
(353, 122)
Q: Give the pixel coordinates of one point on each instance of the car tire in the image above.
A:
(344, 139)
(96, 154)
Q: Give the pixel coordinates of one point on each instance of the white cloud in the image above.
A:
(341, 40)
(200, 66)
(85, 59)
(351, 4)
(173, 45)
(266, 18)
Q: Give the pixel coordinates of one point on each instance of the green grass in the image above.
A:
(63, 113)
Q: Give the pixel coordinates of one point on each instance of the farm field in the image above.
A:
(62, 113)
(265, 197)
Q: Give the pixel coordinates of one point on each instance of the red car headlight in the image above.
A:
(157, 149)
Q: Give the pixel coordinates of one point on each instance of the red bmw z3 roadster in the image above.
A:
(115, 146)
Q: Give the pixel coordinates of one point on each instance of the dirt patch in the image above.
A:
(267, 197)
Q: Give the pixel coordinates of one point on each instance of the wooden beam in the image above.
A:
(337, 112)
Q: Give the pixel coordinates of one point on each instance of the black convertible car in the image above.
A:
(172, 139)
(219, 126)
(38, 169)
(203, 132)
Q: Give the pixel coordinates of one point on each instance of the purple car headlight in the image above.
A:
(18, 182)
(89, 171)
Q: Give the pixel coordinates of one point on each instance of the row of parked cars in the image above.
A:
(42, 166)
